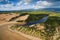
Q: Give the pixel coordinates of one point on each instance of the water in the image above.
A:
(44, 19)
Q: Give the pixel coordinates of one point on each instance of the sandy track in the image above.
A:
(5, 34)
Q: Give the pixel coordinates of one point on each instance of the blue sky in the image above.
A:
(8, 5)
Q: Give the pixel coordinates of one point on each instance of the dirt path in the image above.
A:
(5, 34)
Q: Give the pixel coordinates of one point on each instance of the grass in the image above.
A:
(52, 25)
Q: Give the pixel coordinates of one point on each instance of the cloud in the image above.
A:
(6, 6)
(27, 1)
(27, 4)
(19, 3)
(55, 4)
(39, 4)
(42, 4)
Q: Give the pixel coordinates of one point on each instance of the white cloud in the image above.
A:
(27, 1)
(42, 4)
(37, 7)
(24, 2)
(19, 3)
(6, 6)
(25, 5)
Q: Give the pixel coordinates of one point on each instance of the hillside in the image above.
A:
(49, 30)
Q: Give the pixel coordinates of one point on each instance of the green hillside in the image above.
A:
(50, 30)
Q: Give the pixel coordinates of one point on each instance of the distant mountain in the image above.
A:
(52, 9)
(46, 9)
(30, 10)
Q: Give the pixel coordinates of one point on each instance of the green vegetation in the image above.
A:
(51, 29)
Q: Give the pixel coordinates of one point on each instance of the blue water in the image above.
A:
(44, 19)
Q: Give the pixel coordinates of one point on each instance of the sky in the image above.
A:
(8, 5)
